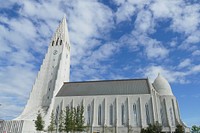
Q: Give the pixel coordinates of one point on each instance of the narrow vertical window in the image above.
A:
(60, 42)
(172, 116)
(99, 115)
(52, 43)
(123, 114)
(88, 113)
(147, 114)
(162, 116)
(134, 115)
(57, 113)
(111, 114)
(57, 42)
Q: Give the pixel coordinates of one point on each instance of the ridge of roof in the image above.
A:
(105, 80)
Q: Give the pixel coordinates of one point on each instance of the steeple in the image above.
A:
(54, 71)
(61, 33)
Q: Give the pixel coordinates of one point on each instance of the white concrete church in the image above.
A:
(117, 106)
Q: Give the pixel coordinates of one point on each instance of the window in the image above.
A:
(49, 89)
(111, 114)
(162, 116)
(88, 113)
(60, 42)
(134, 115)
(172, 116)
(147, 114)
(52, 43)
(57, 42)
(57, 110)
(99, 115)
(123, 115)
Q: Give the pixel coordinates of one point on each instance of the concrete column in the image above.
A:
(167, 113)
(105, 112)
(154, 111)
(93, 114)
(116, 115)
(128, 111)
(141, 112)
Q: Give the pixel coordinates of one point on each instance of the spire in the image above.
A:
(62, 32)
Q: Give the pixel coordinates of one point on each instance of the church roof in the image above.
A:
(105, 87)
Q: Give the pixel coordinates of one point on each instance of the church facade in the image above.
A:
(110, 106)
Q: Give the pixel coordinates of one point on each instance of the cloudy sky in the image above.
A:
(110, 39)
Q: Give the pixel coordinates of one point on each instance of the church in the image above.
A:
(110, 106)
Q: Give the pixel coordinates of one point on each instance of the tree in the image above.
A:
(74, 119)
(179, 129)
(51, 127)
(195, 129)
(61, 123)
(80, 117)
(155, 128)
(39, 123)
(67, 120)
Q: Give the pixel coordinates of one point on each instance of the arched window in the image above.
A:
(60, 42)
(57, 42)
(172, 116)
(134, 115)
(147, 114)
(52, 43)
(99, 115)
(57, 113)
(111, 114)
(123, 114)
(88, 113)
(162, 116)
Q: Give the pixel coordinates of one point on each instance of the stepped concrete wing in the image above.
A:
(107, 87)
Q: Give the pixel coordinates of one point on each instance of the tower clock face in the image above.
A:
(55, 52)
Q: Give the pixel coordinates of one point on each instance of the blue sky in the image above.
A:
(115, 39)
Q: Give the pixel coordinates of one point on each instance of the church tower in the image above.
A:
(54, 71)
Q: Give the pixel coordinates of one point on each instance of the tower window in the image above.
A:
(49, 89)
(57, 42)
(60, 42)
(52, 43)
(99, 115)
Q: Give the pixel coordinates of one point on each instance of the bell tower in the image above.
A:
(54, 71)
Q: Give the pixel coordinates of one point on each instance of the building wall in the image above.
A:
(117, 101)
(160, 108)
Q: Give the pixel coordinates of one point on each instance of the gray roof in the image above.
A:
(105, 87)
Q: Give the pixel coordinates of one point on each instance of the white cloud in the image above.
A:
(144, 22)
(185, 63)
(195, 69)
(196, 53)
(170, 75)
(124, 12)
